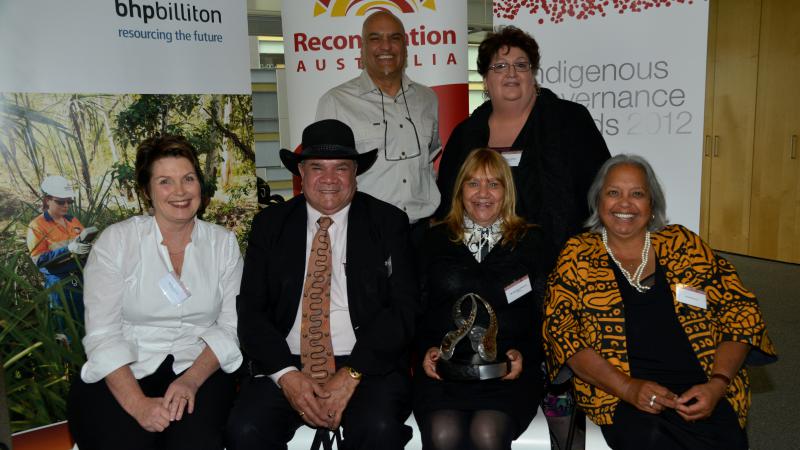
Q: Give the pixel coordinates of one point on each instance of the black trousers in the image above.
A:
(262, 418)
(637, 430)
(98, 422)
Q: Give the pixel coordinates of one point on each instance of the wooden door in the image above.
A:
(775, 210)
(733, 123)
(708, 118)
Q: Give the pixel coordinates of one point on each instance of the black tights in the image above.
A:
(450, 429)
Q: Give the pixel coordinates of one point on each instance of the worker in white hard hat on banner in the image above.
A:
(56, 247)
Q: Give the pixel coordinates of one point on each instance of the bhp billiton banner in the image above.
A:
(640, 68)
(322, 46)
(82, 83)
(123, 46)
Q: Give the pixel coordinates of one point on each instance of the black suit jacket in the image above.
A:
(382, 286)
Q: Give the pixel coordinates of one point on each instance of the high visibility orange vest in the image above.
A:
(46, 235)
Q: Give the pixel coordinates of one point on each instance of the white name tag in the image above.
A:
(518, 288)
(512, 157)
(173, 289)
(690, 296)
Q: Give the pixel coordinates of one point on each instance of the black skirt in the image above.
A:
(637, 430)
(518, 398)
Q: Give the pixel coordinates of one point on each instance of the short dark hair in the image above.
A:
(508, 36)
(162, 146)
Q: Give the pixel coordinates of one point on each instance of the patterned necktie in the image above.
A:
(316, 348)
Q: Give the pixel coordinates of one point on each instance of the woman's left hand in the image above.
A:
(515, 357)
(706, 395)
(180, 397)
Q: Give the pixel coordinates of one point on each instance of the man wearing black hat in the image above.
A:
(326, 306)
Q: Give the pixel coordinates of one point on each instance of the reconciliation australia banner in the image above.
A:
(82, 83)
(322, 49)
(640, 68)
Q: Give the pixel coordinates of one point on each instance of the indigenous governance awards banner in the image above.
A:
(640, 68)
(82, 83)
(322, 49)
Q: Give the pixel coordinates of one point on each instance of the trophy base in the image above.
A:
(454, 370)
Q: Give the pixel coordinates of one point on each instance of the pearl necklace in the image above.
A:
(636, 279)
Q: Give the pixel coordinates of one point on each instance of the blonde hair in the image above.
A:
(493, 163)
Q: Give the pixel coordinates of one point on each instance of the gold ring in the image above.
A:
(330, 414)
(301, 413)
(653, 400)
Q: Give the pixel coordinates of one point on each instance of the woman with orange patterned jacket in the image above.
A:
(654, 326)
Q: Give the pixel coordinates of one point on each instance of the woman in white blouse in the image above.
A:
(160, 293)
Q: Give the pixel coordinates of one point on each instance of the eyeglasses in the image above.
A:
(386, 129)
(504, 67)
(62, 202)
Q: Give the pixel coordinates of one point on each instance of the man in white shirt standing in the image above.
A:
(326, 307)
(392, 113)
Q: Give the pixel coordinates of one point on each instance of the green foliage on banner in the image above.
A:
(38, 366)
(91, 140)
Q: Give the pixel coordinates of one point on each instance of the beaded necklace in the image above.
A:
(636, 279)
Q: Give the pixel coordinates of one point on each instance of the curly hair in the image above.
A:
(507, 37)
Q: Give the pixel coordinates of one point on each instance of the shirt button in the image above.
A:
(401, 125)
(404, 180)
(402, 153)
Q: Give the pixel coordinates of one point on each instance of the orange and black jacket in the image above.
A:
(584, 309)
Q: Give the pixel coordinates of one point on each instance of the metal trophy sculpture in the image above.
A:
(483, 365)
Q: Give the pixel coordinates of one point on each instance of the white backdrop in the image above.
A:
(641, 73)
(112, 46)
(437, 52)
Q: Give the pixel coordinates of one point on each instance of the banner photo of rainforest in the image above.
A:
(90, 140)
(85, 83)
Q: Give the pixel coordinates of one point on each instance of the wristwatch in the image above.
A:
(354, 374)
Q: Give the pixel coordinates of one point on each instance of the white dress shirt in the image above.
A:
(343, 337)
(129, 320)
(403, 174)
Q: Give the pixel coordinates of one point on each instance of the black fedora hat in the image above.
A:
(328, 139)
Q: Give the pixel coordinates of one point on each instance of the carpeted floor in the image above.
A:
(774, 422)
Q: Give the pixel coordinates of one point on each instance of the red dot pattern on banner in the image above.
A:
(557, 10)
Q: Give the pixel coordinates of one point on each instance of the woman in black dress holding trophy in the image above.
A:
(480, 380)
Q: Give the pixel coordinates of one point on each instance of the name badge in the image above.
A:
(173, 289)
(690, 296)
(518, 288)
(512, 157)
